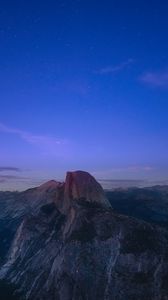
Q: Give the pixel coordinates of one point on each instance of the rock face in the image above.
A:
(15, 206)
(83, 250)
(81, 185)
(51, 185)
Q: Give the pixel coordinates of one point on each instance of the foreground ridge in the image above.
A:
(75, 247)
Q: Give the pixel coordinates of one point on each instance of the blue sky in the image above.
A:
(83, 85)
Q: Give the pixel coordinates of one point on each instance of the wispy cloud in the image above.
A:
(13, 183)
(13, 169)
(132, 169)
(6, 178)
(38, 140)
(156, 79)
(116, 68)
(139, 168)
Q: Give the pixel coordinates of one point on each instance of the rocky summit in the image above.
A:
(74, 246)
(82, 186)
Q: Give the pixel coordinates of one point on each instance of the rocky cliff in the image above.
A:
(76, 247)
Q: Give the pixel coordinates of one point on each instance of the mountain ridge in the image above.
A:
(84, 250)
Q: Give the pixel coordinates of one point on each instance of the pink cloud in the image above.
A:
(156, 79)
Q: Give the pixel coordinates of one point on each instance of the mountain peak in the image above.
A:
(49, 185)
(82, 185)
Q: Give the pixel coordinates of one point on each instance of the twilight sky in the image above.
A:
(83, 85)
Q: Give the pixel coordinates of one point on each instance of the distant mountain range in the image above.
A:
(149, 204)
(73, 241)
(111, 184)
